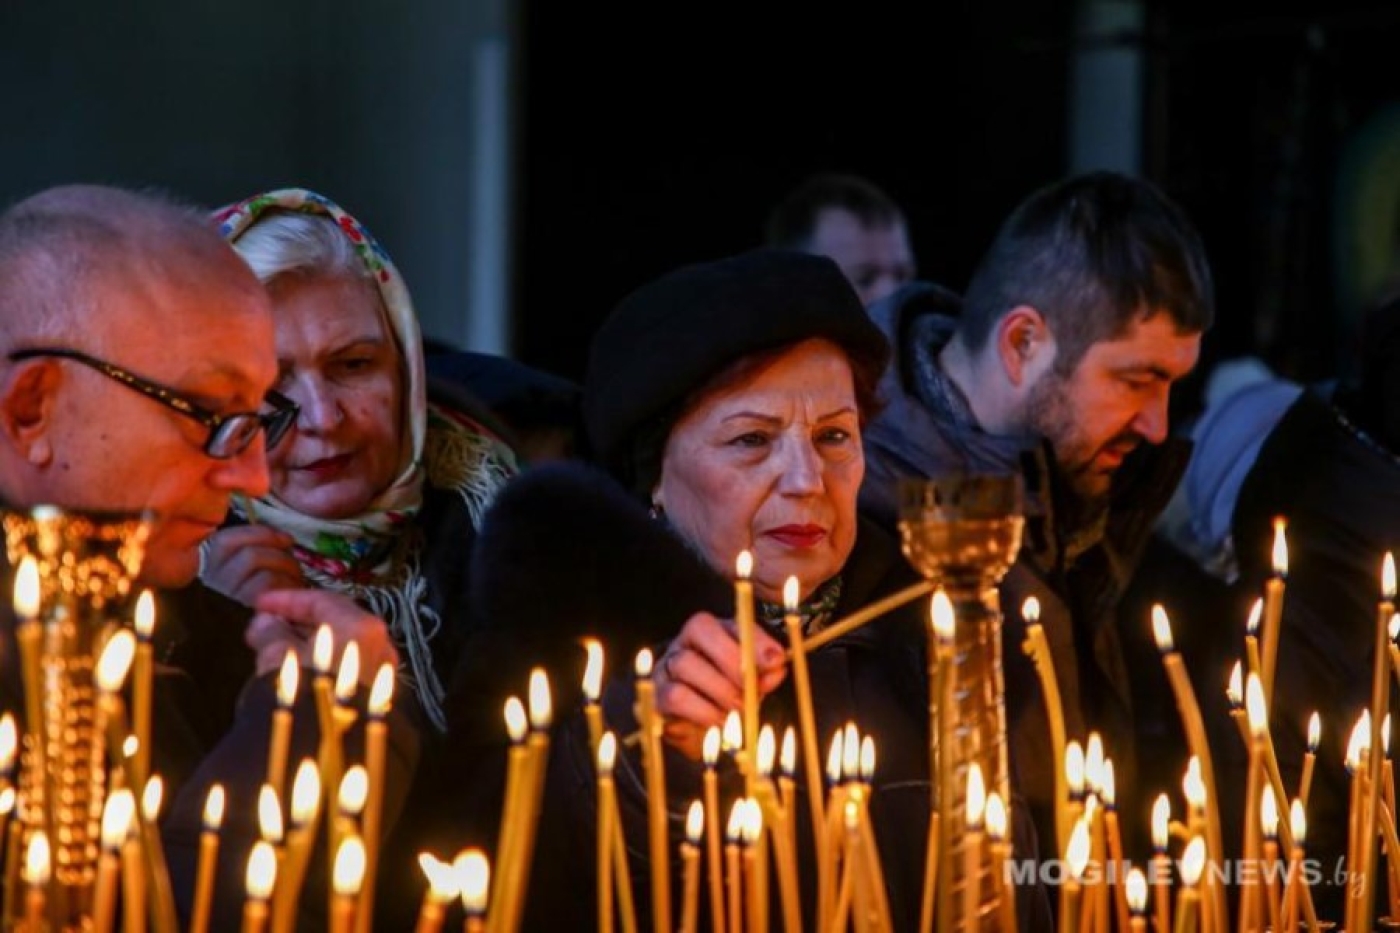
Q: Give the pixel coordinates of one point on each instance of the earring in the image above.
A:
(657, 510)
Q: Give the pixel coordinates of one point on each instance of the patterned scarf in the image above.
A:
(816, 611)
(374, 557)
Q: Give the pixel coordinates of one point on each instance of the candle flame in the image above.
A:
(734, 831)
(1234, 690)
(26, 599)
(130, 746)
(115, 661)
(791, 593)
(851, 815)
(733, 733)
(322, 650)
(1137, 892)
(354, 791)
(306, 793)
(976, 797)
(850, 753)
(516, 723)
(262, 871)
(1161, 821)
(116, 819)
(1385, 735)
(381, 692)
(1298, 820)
(787, 756)
(348, 677)
(1077, 851)
(7, 801)
(270, 815)
(643, 664)
(1268, 812)
(151, 798)
(541, 704)
(145, 618)
(1388, 576)
(743, 565)
(1093, 762)
(443, 883)
(1193, 861)
(995, 815)
(752, 826)
(1108, 787)
(941, 611)
(710, 747)
(1254, 706)
(1193, 786)
(287, 679)
(1392, 627)
(593, 670)
(607, 754)
(1360, 742)
(214, 809)
(349, 872)
(9, 744)
(767, 751)
(1314, 732)
(834, 757)
(1162, 629)
(867, 758)
(1256, 613)
(1030, 610)
(36, 859)
(1074, 768)
(695, 822)
(474, 879)
(1280, 550)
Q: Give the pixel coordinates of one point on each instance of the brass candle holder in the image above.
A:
(86, 563)
(962, 532)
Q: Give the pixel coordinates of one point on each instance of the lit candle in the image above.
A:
(766, 800)
(350, 801)
(1294, 881)
(1380, 699)
(855, 886)
(259, 881)
(29, 639)
(1074, 779)
(715, 868)
(1251, 901)
(1136, 887)
(944, 630)
(785, 835)
(752, 829)
(36, 876)
(306, 801)
(1310, 758)
(133, 878)
(1268, 818)
(281, 737)
(9, 749)
(347, 676)
(329, 754)
(443, 888)
(208, 859)
(826, 871)
(655, 775)
(734, 885)
(270, 824)
(381, 696)
(116, 827)
(607, 751)
(1200, 747)
(1273, 608)
(1357, 828)
(346, 878)
(1077, 856)
(748, 660)
(515, 874)
(690, 865)
(878, 900)
(9, 897)
(1251, 639)
(593, 692)
(517, 774)
(1109, 789)
(806, 718)
(1193, 862)
(996, 819)
(1161, 861)
(474, 879)
(976, 805)
(142, 675)
(1039, 650)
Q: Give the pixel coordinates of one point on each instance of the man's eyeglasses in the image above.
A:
(229, 435)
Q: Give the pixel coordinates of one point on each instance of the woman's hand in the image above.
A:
(288, 619)
(245, 561)
(699, 678)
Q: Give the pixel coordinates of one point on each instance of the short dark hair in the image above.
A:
(1092, 254)
(792, 223)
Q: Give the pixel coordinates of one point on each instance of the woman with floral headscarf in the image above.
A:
(377, 490)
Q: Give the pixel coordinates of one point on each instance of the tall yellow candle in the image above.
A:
(748, 660)
(806, 717)
(474, 880)
(1109, 789)
(996, 819)
(1193, 862)
(517, 774)
(690, 866)
(1273, 608)
(259, 881)
(516, 875)
(734, 878)
(443, 888)
(346, 877)
(1077, 859)
(976, 804)
(1161, 862)
(1380, 699)
(593, 692)
(142, 681)
(208, 859)
(652, 763)
(1251, 639)
(1268, 818)
(1038, 648)
(1294, 881)
(116, 827)
(607, 752)
(944, 631)
(1135, 887)
(1310, 758)
(301, 837)
(381, 698)
(281, 737)
(1251, 900)
(714, 864)
(753, 866)
(133, 881)
(37, 870)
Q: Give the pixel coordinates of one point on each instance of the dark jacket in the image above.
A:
(1077, 580)
(641, 594)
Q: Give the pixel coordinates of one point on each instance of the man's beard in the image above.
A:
(1050, 416)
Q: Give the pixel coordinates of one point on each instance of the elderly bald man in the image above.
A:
(140, 356)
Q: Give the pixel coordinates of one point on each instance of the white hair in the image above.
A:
(289, 243)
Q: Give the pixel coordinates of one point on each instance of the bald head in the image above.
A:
(64, 251)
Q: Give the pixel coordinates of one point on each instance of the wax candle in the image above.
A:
(1310, 758)
(945, 633)
(748, 659)
(301, 838)
(714, 865)
(975, 802)
(1077, 859)
(1161, 862)
(381, 697)
(259, 881)
(1109, 790)
(734, 879)
(1294, 881)
(36, 878)
(281, 737)
(1039, 650)
(655, 776)
(690, 866)
(593, 692)
(1193, 861)
(142, 679)
(474, 879)
(1268, 818)
(208, 859)
(517, 775)
(1000, 848)
(806, 718)
(1273, 608)
(1136, 888)
(346, 878)
(116, 827)
(443, 887)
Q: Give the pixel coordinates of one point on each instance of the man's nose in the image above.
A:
(1152, 420)
(245, 472)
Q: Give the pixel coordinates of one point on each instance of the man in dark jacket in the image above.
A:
(1057, 365)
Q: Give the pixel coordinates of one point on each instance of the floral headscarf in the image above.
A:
(369, 556)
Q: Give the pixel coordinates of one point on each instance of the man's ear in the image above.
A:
(1023, 344)
(26, 405)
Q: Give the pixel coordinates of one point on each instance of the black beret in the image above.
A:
(668, 337)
